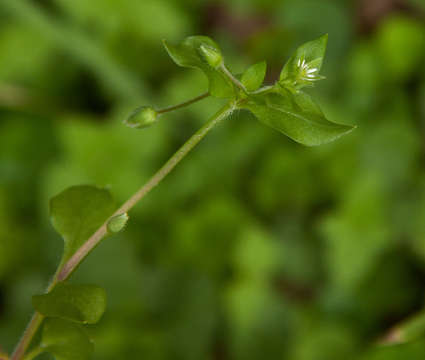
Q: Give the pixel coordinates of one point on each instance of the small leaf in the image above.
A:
(295, 115)
(65, 340)
(80, 303)
(77, 212)
(117, 223)
(201, 52)
(142, 117)
(303, 67)
(254, 76)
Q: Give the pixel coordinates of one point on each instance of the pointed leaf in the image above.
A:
(254, 76)
(303, 67)
(201, 52)
(80, 303)
(77, 212)
(65, 340)
(297, 116)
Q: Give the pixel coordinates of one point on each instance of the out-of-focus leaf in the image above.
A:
(357, 235)
(65, 340)
(408, 331)
(253, 77)
(297, 116)
(323, 340)
(189, 54)
(411, 351)
(401, 47)
(80, 303)
(77, 212)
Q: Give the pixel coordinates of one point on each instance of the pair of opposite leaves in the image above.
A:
(76, 213)
(284, 107)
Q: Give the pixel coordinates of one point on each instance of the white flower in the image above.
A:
(307, 72)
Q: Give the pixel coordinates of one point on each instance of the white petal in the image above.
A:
(312, 70)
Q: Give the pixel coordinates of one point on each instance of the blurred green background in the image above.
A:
(254, 247)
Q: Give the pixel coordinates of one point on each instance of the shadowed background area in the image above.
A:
(254, 247)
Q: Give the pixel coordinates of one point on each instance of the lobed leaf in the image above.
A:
(65, 340)
(254, 76)
(77, 212)
(191, 53)
(80, 303)
(295, 115)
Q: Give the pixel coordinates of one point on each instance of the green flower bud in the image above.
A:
(142, 117)
(117, 223)
(211, 55)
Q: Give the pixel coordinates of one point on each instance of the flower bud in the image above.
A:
(117, 223)
(142, 117)
(211, 55)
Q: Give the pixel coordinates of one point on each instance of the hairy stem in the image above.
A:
(232, 78)
(183, 104)
(68, 268)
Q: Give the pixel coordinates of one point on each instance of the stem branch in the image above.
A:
(232, 78)
(68, 268)
(183, 104)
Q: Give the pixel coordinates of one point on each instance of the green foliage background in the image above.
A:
(254, 247)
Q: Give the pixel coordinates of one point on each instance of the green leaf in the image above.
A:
(117, 223)
(65, 340)
(80, 303)
(194, 52)
(77, 212)
(303, 67)
(253, 77)
(295, 115)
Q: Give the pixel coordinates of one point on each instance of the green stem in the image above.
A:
(33, 325)
(183, 104)
(68, 268)
(232, 78)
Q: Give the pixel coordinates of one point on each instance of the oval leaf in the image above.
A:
(254, 76)
(65, 340)
(303, 67)
(81, 303)
(77, 212)
(189, 54)
(297, 116)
